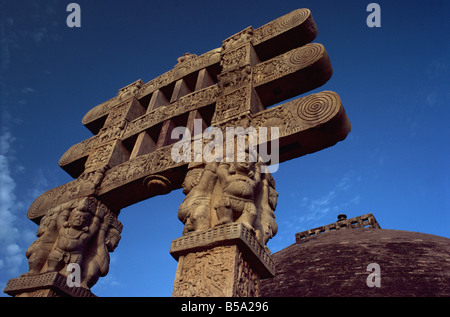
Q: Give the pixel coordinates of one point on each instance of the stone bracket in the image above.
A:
(54, 282)
(224, 235)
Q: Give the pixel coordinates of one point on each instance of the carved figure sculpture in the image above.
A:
(47, 234)
(82, 231)
(97, 255)
(185, 57)
(75, 230)
(130, 90)
(266, 226)
(195, 210)
(239, 181)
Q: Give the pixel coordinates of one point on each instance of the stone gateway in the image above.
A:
(229, 209)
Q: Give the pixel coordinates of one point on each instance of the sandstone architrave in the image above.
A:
(277, 63)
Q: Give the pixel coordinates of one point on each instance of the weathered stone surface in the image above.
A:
(360, 222)
(51, 284)
(222, 193)
(334, 264)
(226, 261)
(234, 233)
(80, 232)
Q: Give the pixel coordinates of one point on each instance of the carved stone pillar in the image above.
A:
(229, 216)
(225, 261)
(71, 251)
(229, 207)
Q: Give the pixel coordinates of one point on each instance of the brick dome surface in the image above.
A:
(335, 264)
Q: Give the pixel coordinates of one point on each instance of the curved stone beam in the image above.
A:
(101, 111)
(284, 66)
(195, 100)
(292, 73)
(306, 125)
(292, 30)
(95, 117)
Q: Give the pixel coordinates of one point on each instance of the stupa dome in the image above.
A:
(340, 258)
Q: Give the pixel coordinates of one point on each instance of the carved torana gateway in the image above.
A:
(229, 207)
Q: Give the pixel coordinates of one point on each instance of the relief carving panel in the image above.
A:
(82, 231)
(208, 273)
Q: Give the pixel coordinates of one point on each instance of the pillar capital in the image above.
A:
(224, 261)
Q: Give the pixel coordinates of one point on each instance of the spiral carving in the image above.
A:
(305, 55)
(318, 107)
(294, 18)
(68, 156)
(41, 204)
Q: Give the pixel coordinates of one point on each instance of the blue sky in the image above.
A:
(393, 82)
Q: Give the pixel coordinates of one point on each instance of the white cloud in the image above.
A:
(11, 254)
(27, 90)
(337, 199)
(355, 200)
(345, 183)
(16, 232)
(7, 196)
(314, 209)
(40, 34)
(106, 283)
(434, 91)
(15, 236)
